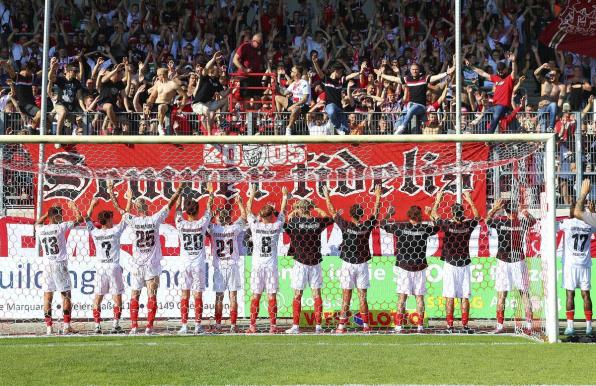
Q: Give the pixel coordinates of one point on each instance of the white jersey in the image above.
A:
(224, 243)
(107, 242)
(146, 246)
(192, 237)
(265, 238)
(576, 243)
(52, 240)
(299, 89)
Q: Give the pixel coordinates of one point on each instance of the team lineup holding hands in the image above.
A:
(304, 225)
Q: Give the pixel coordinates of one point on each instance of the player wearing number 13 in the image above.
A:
(264, 275)
(108, 275)
(55, 277)
(225, 252)
(192, 250)
(146, 256)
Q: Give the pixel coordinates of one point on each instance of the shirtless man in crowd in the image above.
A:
(162, 94)
(552, 94)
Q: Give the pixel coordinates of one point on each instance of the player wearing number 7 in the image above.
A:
(146, 256)
(108, 277)
(225, 253)
(264, 275)
(55, 277)
(192, 250)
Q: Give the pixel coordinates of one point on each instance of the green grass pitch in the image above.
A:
(303, 359)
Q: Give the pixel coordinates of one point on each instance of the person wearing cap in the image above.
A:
(333, 85)
(456, 255)
(69, 92)
(552, 94)
(417, 84)
(504, 82)
(204, 102)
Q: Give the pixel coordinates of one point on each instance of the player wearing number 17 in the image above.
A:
(108, 275)
(55, 276)
(192, 250)
(146, 256)
(264, 275)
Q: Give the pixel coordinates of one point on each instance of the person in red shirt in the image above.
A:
(249, 58)
(504, 82)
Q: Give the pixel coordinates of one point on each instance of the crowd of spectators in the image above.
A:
(333, 67)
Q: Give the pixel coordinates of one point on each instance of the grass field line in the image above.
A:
(198, 342)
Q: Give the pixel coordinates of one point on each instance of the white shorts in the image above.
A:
(456, 281)
(303, 275)
(193, 277)
(264, 278)
(204, 108)
(576, 277)
(354, 276)
(55, 277)
(510, 276)
(410, 282)
(227, 278)
(139, 275)
(109, 280)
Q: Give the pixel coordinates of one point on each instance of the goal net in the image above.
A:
(443, 242)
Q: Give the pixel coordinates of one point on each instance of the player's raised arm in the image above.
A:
(469, 200)
(497, 207)
(330, 207)
(175, 196)
(388, 215)
(128, 196)
(211, 191)
(251, 197)
(92, 206)
(579, 212)
(433, 212)
(377, 207)
(42, 219)
(284, 200)
(78, 216)
(241, 207)
(113, 197)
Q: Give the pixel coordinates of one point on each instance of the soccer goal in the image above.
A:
(447, 234)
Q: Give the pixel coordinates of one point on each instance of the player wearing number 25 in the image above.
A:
(146, 256)
(55, 277)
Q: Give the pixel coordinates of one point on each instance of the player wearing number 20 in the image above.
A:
(264, 275)
(108, 277)
(55, 276)
(192, 251)
(225, 252)
(146, 256)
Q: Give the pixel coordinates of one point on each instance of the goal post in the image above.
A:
(411, 169)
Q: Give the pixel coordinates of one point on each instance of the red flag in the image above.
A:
(574, 29)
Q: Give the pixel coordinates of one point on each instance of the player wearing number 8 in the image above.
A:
(264, 275)
(146, 256)
(225, 252)
(55, 277)
(192, 250)
(108, 277)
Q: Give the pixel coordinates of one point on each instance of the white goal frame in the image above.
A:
(548, 244)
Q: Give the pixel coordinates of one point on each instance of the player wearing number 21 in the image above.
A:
(192, 241)
(264, 275)
(109, 278)
(146, 256)
(55, 277)
(225, 253)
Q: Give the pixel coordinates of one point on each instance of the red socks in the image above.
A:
(296, 307)
(184, 310)
(318, 310)
(464, 318)
(588, 314)
(364, 314)
(66, 316)
(217, 315)
(134, 313)
(500, 316)
(234, 315)
(421, 319)
(254, 310)
(117, 313)
(399, 317)
(450, 319)
(273, 311)
(151, 310)
(198, 309)
(47, 317)
(97, 315)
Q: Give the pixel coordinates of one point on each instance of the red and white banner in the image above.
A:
(574, 29)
